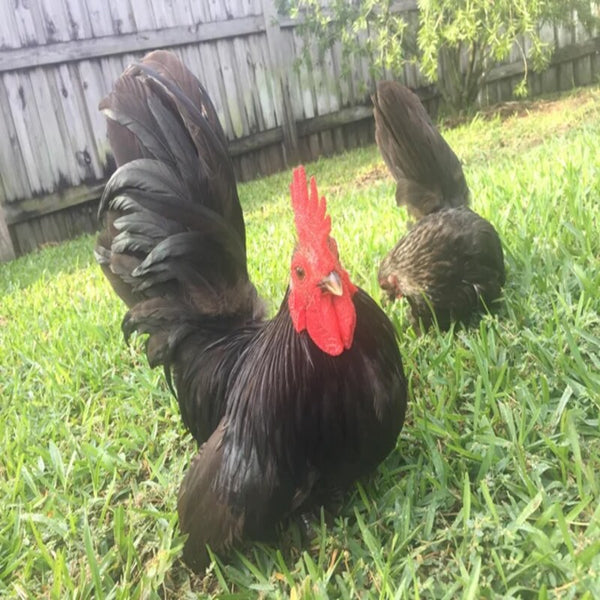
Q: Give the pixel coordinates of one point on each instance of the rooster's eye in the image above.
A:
(300, 272)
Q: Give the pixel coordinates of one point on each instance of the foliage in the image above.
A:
(460, 41)
(367, 28)
(493, 489)
(455, 42)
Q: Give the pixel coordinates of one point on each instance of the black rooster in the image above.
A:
(288, 411)
(450, 263)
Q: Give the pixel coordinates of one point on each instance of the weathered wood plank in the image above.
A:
(566, 77)
(205, 59)
(340, 76)
(121, 15)
(266, 84)
(256, 141)
(595, 67)
(336, 119)
(280, 66)
(288, 48)
(306, 83)
(234, 8)
(99, 19)
(311, 146)
(12, 164)
(9, 36)
(246, 8)
(550, 80)
(79, 19)
(90, 90)
(29, 132)
(246, 86)
(54, 20)
(168, 13)
(143, 16)
(62, 164)
(231, 94)
(109, 45)
(44, 205)
(81, 126)
(561, 55)
(52, 228)
(29, 23)
(7, 250)
(583, 71)
(72, 131)
(332, 79)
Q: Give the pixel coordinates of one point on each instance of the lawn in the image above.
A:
(493, 489)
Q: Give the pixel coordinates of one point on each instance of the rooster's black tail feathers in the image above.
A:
(173, 243)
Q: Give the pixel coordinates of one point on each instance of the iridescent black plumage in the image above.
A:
(279, 421)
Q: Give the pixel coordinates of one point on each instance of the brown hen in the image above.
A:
(450, 264)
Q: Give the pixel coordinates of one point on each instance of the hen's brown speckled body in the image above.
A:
(450, 263)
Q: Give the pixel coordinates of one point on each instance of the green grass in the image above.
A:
(493, 489)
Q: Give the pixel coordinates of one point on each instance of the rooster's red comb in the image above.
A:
(313, 224)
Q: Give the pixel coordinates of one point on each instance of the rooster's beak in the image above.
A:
(332, 284)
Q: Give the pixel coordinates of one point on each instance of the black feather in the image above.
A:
(279, 422)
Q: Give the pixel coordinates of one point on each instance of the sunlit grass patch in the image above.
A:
(493, 489)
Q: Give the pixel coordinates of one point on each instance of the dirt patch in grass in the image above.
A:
(364, 177)
(580, 102)
(377, 173)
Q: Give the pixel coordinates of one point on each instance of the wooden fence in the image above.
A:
(58, 58)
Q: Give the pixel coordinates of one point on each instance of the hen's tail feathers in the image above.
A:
(173, 243)
(427, 172)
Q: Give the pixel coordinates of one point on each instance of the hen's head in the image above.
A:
(320, 299)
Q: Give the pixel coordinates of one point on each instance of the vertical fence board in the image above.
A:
(7, 251)
(29, 23)
(91, 90)
(143, 16)
(55, 21)
(12, 162)
(28, 140)
(9, 35)
(100, 18)
(121, 15)
(80, 27)
(279, 67)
